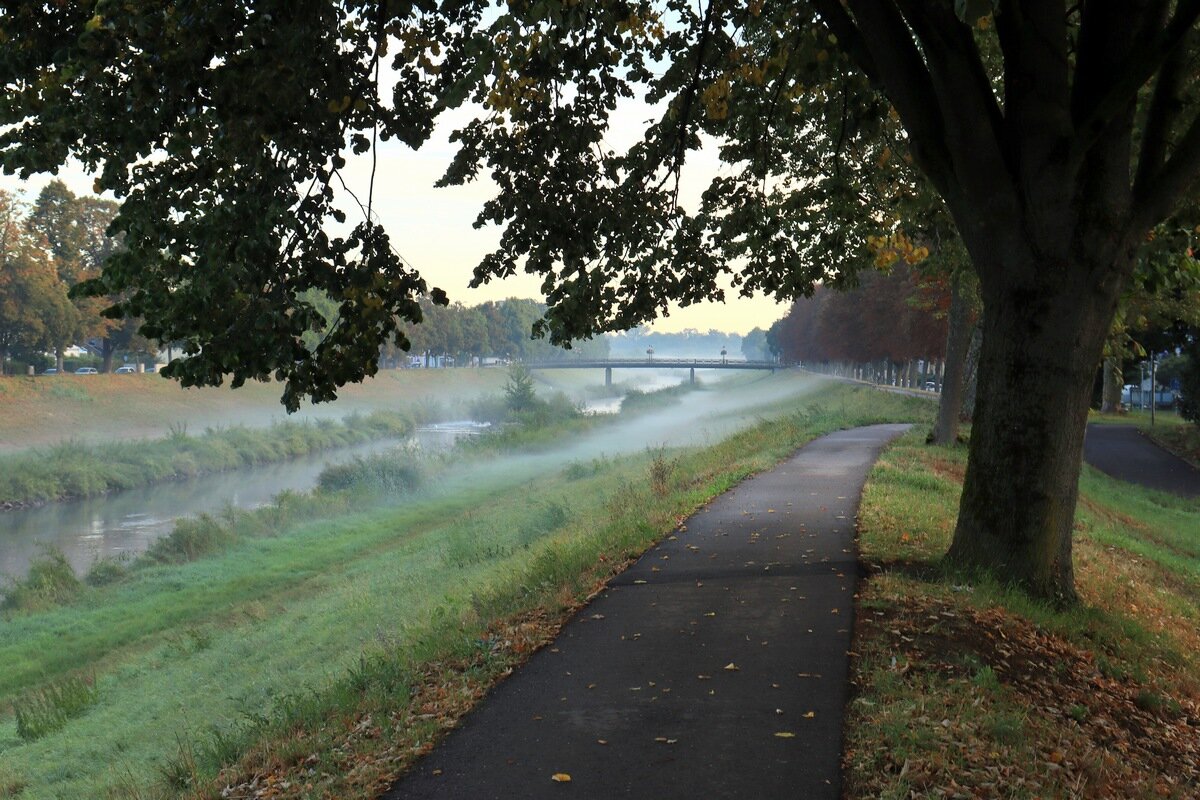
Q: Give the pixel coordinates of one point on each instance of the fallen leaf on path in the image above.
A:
(810, 715)
(785, 735)
(732, 667)
(560, 777)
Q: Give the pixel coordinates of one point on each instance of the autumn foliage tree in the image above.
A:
(28, 283)
(895, 316)
(1057, 134)
(73, 231)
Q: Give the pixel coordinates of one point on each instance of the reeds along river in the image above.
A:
(125, 524)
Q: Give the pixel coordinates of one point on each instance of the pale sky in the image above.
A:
(432, 228)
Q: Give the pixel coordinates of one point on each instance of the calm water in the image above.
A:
(126, 523)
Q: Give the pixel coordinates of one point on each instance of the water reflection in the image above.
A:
(123, 525)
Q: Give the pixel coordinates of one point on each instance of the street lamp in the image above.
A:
(723, 355)
(650, 353)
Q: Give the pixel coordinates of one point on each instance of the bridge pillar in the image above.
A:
(608, 376)
(693, 370)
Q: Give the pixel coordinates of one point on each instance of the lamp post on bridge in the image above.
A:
(650, 353)
(723, 354)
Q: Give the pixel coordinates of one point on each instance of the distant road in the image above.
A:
(1123, 452)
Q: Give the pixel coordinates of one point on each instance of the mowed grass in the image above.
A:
(256, 658)
(42, 411)
(973, 688)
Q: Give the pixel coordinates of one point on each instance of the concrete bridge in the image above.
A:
(691, 364)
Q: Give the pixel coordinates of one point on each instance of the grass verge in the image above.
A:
(979, 691)
(320, 660)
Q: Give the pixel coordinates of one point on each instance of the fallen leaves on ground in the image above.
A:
(961, 702)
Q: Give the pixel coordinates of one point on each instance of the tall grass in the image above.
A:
(48, 709)
(74, 469)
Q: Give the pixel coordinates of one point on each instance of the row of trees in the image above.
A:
(688, 343)
(896, 317)
(497, 329)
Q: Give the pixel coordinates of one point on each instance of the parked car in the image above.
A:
(86, 371)
(51, 371)
(127, 369)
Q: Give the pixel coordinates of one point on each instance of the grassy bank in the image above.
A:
(979, 691)
(322, 657)
(42, 411)
(76, 469)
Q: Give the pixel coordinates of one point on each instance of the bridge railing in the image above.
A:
(663, 363)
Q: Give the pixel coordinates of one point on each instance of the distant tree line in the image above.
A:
(878, 330)
(499, 329)
(688, 343)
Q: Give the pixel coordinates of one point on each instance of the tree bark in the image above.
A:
(1111, 392)
(58, 358)
(958, 340)
(971, 379)
(1040, 345)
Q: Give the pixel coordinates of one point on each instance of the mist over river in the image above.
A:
(125, 524)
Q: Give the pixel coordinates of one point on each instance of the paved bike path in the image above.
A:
(715, 666)
(1125, 453)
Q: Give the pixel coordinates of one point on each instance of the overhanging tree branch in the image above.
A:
(1092, 118)
(850, 39)
(1160, 196)
(901, 74)
(1164, 110)
(972, 118)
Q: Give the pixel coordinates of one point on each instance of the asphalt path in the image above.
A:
(715, 667)
(1124, 453)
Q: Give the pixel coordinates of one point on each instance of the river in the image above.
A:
(124, 524)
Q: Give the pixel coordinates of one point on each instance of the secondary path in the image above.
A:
(715, 667)
(1124, 453)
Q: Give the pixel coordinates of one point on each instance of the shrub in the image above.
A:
(106, 571)
(192, 538)
(383, 473)
(662, 470)
(51, 581)
(1189, 377)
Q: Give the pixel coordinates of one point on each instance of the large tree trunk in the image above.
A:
(1041, 344)
(958, 340)
(58, 358)
(109, 350)
(1110, 402)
